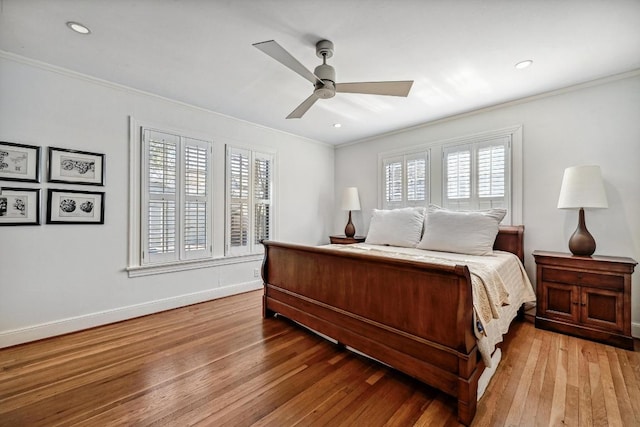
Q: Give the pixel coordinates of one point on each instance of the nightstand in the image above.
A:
(589, 297)
(344, 240)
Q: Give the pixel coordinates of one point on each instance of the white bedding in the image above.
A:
(499, 282)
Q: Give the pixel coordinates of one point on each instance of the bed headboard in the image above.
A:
(510, 238)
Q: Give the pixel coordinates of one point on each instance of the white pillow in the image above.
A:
(396, 227)
(465, 232)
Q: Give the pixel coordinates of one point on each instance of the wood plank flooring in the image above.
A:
(219, 363)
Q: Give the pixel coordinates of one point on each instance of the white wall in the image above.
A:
(59, 278)
(593, 124)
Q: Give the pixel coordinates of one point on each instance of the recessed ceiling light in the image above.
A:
(337, 125)
(78, 28)
(524, 64)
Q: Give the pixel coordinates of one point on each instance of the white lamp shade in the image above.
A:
(350, 199)
(582, 187)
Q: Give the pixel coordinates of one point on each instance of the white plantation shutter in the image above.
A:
(476, 176)
(197, 212)
(458, 177)
(416, 179)
(238, 161)
(249, 200)
(491, 169)
(262, 190)
(405, 180)
(177, 207)
(393, 183)
(459, 174)
(494, 172)
(162, 174)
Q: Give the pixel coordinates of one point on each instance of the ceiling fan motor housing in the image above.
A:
(327, 74)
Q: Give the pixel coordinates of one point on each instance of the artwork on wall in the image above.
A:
(19, 162)
(75, 207)
(75, 167)
(19, 206)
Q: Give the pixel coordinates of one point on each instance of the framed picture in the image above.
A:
(19, 162)
(75, 167)
(75, 207)
(19, 206)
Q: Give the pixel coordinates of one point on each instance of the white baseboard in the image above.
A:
(635, 330)
(73, 324)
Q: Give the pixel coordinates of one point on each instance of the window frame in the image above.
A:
(134, 266)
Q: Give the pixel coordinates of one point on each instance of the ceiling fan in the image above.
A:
(324, 77)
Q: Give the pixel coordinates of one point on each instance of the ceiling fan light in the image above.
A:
(523, 64)
(78, 27)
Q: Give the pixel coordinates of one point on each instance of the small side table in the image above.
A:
(344, 240)
(589, 297)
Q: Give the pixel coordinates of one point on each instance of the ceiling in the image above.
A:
(460, 54)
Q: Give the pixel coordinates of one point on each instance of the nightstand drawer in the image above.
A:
(583, 278)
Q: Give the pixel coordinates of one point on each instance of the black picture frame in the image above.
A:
(75, 166)
(74, 206)
(19, 206)
(19, 162)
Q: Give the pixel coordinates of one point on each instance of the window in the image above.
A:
(405, 180)
(480, 171)
(194, 202)
(176, 198)
(249, 200)
(477, 175)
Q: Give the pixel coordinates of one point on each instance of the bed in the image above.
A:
(409, 311)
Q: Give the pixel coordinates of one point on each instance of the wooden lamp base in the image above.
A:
(350, 229)
(582, 242)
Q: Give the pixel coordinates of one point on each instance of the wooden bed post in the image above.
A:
(266, 313)
(468, 369)
(467, 400)
(468, 387)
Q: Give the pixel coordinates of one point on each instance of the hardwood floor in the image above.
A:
(219, 363)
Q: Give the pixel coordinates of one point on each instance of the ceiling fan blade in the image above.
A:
(302, 108)
(399, 88)
(277, 52)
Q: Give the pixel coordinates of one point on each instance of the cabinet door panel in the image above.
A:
(602, 308)
(560, 301)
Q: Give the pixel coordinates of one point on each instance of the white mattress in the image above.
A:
(500, 286)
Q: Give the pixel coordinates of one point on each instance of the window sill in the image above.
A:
(151, 269)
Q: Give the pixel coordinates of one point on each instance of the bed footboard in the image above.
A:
(412, 316)
(416, 317)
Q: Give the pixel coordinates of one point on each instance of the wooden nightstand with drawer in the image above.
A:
(589, 297)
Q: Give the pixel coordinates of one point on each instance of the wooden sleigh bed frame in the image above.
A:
(415, 317)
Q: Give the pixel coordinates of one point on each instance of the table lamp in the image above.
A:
(350, 202)
(582, 187)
